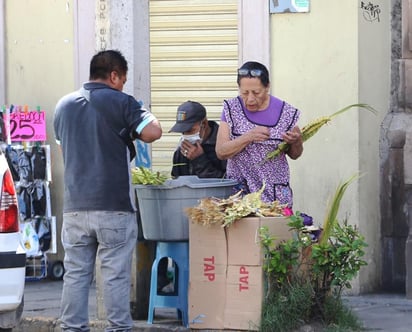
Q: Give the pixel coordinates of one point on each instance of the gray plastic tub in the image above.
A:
(162, 207)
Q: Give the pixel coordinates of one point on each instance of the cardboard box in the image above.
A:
(245, 287)
(207, 277)
(244, 297)
(243, 239)
(226, 288)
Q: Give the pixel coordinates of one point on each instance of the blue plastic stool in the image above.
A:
(179, 252)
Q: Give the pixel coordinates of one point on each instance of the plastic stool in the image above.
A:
(179, 253)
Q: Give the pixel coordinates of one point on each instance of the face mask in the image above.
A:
(193, 138)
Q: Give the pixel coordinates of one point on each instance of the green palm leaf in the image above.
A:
(333, 209)
(313, 127)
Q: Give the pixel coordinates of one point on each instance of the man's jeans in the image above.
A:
(112, 236)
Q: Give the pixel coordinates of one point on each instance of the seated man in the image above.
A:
(195, 155)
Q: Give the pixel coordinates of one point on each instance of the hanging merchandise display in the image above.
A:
(24, 134)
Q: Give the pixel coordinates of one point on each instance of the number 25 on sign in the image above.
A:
(28, 126)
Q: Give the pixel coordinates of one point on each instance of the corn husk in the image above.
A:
(226, 211)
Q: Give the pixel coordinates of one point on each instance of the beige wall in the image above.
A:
(323, 61)
(320, 62)
(374, 87)
(40, 66)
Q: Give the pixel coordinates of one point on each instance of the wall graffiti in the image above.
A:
(370, 11)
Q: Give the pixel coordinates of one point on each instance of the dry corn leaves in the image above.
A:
(225, 211)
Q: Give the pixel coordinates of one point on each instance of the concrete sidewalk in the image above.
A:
(383, 312)
(42, 309)
(378, 312)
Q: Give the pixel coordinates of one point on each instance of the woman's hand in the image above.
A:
(227, 148)
(293, 136)
(294, 139)
(258, 134)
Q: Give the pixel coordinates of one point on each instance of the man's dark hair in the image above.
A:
(252, 65)
(104, 62)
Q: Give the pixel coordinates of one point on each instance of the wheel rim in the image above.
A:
(58, 271)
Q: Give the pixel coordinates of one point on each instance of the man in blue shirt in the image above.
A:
(95, 127)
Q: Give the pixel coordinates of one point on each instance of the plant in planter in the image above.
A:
(307, 274)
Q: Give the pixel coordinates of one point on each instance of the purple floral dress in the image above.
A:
(248, 166)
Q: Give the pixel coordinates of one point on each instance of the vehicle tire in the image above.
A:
(55, 270)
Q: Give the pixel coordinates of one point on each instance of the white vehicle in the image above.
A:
(12, 254)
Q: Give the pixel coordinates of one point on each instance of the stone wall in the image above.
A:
(396, 159)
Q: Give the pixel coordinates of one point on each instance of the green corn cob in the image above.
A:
(312, 128)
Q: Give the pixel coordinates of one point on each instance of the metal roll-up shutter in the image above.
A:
(194, 56)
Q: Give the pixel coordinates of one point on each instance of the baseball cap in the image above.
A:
(187, 115)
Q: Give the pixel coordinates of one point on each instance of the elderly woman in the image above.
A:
(252, 124)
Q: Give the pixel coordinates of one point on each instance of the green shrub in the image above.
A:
(305, 277)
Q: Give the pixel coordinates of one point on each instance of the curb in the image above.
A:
(42, 324)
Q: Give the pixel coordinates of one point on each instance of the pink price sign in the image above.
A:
(28, 126)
